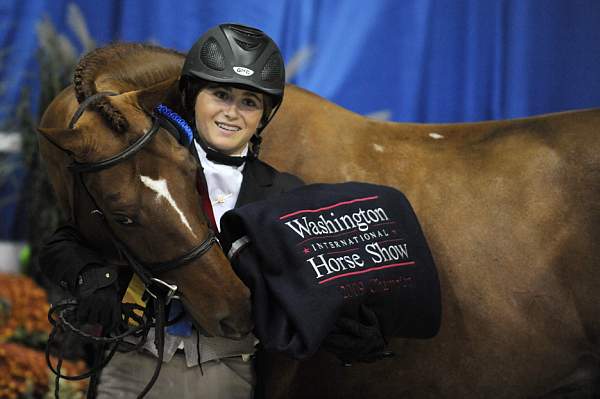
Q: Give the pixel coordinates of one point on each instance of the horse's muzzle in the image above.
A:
(237, 326)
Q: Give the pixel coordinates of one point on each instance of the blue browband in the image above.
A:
(177, 120)
(186, 134)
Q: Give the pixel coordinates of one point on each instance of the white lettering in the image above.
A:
(323, 266)
(301, 228)
(243, 71)
(386, 254)
(323, 225)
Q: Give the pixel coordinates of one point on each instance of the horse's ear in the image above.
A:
(67, 139)
(173, 98)
(164, 92)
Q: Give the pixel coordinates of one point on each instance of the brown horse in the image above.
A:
(149, 200)
(511, 211)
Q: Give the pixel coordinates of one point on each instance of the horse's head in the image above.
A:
(149, 200)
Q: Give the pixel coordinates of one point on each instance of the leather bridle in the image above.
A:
(146, 271)
(159, 292)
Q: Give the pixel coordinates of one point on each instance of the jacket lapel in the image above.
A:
(255, 184)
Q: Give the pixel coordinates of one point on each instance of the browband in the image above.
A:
(177, 120)
(131, 150)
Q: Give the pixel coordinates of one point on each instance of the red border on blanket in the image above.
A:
(367, 271)
(328, 207)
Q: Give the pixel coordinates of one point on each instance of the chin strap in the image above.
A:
(221, 158)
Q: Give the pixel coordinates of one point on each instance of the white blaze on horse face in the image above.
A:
(436, 136)
(162, 191)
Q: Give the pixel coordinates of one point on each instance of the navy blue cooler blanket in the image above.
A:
(322, 251)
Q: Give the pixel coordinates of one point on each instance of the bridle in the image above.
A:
(144, 270)
(159, 292)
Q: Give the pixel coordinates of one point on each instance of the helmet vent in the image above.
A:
(212, 56)
(246, 30)
(272, 69)
(246, 46)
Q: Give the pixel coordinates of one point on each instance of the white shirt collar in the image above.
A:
(223, 183)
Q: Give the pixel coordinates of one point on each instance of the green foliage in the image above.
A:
(35, 339)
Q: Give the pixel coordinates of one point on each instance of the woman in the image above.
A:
(231, 85)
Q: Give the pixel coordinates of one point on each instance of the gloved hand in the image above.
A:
(357, 341)
(98, 298)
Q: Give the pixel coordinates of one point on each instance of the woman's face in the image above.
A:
(227, 117)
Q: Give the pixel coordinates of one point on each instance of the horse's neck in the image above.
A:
(125, 66)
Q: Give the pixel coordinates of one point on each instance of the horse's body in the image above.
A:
(511, 212)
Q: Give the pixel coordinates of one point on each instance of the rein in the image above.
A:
(158, 293)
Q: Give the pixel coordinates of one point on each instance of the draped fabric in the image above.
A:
(419, 60)
(323, 251)
(409, 60)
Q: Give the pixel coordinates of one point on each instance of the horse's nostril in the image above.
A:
(228, 330)
(234, 329)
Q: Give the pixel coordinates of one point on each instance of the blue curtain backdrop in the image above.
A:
(404, 60)
(420, 60)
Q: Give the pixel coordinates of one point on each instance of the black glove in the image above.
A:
(357, 341)
(98, 298)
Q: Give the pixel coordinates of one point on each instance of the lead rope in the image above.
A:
(62, 323)
(156, 302)
(94, 378)
(198, 353)
(58, 366)
(159, 342)
(160, 314)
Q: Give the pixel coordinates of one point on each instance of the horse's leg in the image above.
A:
(275, 374)
(582, 275)
(582, 382)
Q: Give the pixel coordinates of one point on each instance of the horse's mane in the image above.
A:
(123, 67)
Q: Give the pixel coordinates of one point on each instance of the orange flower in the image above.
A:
(23, 307)
(23, 371)
(23, 318)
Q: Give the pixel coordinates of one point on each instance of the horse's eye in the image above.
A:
(123, 219)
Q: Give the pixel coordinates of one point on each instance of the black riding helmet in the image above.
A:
(237, 55)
